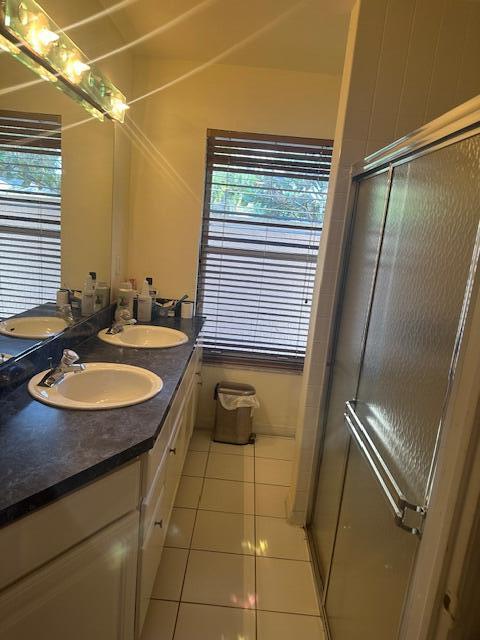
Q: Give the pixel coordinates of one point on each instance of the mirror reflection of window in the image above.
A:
(30, 212)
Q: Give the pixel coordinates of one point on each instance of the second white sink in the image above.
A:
(145, 337)
(102, 385)
(35, 327)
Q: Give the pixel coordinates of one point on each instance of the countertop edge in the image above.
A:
(43, 498)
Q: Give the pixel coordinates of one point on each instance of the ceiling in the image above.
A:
(309, 37)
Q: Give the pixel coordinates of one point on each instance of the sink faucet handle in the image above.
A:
(69, 357)
(125, 315)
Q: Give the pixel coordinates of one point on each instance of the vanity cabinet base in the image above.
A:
(87, 592)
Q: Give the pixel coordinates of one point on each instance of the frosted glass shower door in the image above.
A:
(423, 270)
(367, 232)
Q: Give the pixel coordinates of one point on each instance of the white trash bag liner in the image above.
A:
(231, 402)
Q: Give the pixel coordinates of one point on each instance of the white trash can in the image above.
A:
(234, 412)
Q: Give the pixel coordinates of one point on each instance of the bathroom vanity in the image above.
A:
(86, 498)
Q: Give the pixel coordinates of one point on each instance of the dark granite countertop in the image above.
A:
(46, 452)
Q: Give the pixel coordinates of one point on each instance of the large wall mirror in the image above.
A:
(55, 201)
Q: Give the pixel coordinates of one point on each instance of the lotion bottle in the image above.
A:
(144, 313)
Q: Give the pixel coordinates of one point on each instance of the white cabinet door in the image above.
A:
(87, 593)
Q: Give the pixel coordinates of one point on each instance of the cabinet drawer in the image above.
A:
(169, 467)
(154, 456)
(150, 503)
(46, 533)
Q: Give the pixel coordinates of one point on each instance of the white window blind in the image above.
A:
(263, 215)
(30, 177)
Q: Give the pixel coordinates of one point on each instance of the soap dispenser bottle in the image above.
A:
(144, 313)
(88, 297)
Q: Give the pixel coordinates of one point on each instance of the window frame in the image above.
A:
(292, 363)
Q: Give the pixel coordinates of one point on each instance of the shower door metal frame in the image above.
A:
(418, 616)
(339, 296)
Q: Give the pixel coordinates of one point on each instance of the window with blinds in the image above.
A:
(30, 177)
(263, 214)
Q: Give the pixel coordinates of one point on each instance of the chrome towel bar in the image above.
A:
(407, 515)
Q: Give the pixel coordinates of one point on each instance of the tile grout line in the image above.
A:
(226, 606)
(189, 550)
(268, 484)
(213, 478)
(234, 513)
(235, 553)
(239, 455)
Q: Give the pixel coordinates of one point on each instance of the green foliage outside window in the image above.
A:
(30, 172)
(274, 197)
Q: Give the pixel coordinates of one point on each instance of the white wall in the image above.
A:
(407, 62)
(168, 182)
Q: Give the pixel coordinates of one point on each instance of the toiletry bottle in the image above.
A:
(88, 297)
(102, 291)
(125, 298)
(144, 313)
(94, 278)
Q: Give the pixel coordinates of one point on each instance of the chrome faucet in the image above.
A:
(65, 312)
(124, 318)
(67, 365)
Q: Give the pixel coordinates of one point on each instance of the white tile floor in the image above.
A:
(233, 568)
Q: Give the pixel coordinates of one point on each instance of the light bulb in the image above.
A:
(39, 36)
(46, 36)
(74, 69)
(79, 67)
(118, 108)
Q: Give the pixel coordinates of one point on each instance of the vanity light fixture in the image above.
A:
(33, 38)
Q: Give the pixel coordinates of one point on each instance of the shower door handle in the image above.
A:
(403, 510)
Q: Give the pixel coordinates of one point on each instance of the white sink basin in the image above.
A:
(145, 337)
(103, 385)
(37, 327)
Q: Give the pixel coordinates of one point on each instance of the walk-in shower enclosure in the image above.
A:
(404, 308)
